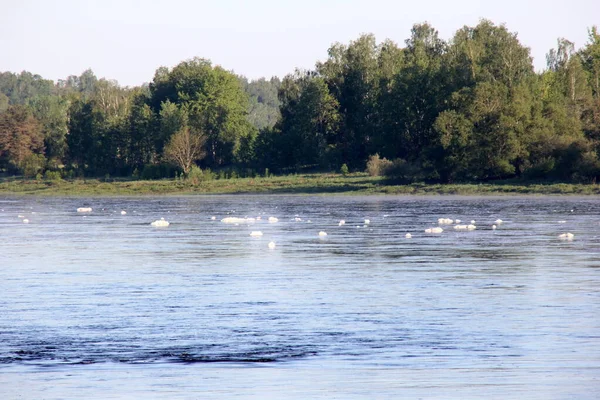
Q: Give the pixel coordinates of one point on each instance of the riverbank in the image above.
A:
(359, 183)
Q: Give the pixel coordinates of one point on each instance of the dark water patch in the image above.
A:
(244, 357)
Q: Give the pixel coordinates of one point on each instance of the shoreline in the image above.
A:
(306, 184)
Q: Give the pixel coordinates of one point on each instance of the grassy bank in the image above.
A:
(299, 184)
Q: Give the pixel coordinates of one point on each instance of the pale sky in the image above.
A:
(128, 40)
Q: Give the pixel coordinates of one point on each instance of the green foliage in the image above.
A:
(352, 78)
(541, 169)
(19, 88)
(468, 109)
(268, 146)
(52, 175)
(214, 102)
(82, 86)
(309, 121)
(4, 102)
(404, 172)
(171, 119)
(344, 170)
(245, 154)
(100, 131)
(32, 164)
(263, 105)
(185, 148)
(52, 113)
(297, 183)
(417, 95)
(157, 171)
(377, 166)
(197, 175)
(141, 134)
(577, 161)
(21, 140)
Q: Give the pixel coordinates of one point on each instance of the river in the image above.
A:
(102, 305)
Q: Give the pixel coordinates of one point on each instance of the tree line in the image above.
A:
(468, 109)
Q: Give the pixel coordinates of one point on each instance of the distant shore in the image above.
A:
(360, 184)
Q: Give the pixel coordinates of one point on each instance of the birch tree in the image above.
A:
(185, 148)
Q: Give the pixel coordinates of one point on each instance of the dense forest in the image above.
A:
(468, 109)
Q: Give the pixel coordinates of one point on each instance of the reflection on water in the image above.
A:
(105, 302)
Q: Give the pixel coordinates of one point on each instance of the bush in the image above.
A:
(576, 161)
(52, 175)
(378, 166)
(197, 175)
(404, 172)
(160, 171)
(32, 165)
(71, 173)
(150, 172)
(588, 170)
(540, 170)
(344, 170)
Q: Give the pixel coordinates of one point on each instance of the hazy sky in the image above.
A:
(128, 40)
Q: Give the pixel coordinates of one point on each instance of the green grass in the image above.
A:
(323, 183)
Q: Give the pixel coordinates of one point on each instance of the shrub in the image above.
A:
(344, 170)
(32, 165)
(588, 169)
(404, 172)
(152, 171)
(378, 166)
(71, 173)
(197, 175)
(52, 175)
(541, 170)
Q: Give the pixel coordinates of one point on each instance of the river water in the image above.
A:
(102, 305)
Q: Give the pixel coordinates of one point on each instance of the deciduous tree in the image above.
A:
(185, 148)
(20, 137)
